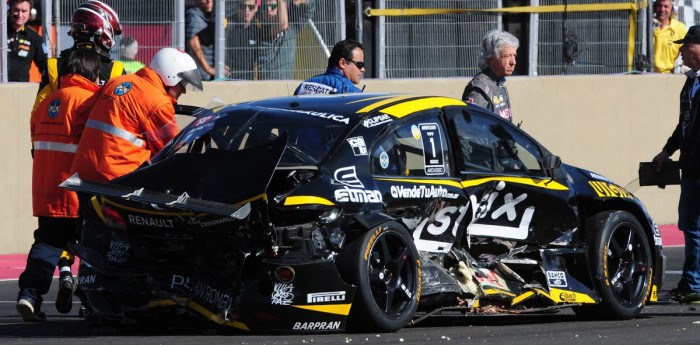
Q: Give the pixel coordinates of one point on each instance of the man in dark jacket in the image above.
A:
(686, 138)
(345, 68)
(24, 44)
(496, 62)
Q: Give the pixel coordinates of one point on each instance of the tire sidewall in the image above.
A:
(610, 222)
(365, 313)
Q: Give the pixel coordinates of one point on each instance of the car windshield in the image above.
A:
(309, 138)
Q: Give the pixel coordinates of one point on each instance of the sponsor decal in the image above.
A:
(123, 88)
(118, 252)
(421, 192)
(213, 296)
(323, 297)
(203, 120)
(178, 280)
(433, 153)
(371, 242)
(323, 115)
(359, 148)
(311, 88)
(90, 279)
(150, 221)
(420, 281)
(430, 236)
(384, 160)
(609, 190)
(358, 195)
(415, 132)
(568, 297)
(348, 176)
(282, 294)
(520, 221)
(556, 278)
(377, 120)
(54, 108)
(317, 326)
(597, 176)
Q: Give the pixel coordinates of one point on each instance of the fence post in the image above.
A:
(533, 45)
(3, 58)
(46, 12)
(180, 27)
(380, 42)
(219, 38)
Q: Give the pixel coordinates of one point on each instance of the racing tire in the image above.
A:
(621, 260)
(385, 266)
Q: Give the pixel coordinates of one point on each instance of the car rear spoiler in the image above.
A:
(187, 110)
(183, 201)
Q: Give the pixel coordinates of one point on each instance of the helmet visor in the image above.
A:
(191, 77)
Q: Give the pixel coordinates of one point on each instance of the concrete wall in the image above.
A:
(604, 123)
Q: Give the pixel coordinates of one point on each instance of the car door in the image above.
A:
(412, 166)
(511, 195)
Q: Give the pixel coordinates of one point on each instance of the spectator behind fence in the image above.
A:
(94, 25)
(128, 49)
(23, 43)
(242, 37)
(54, 140)
(282, 22)
(686, 138)
(666, 30)
(496, 62)
(345, 68)
(199, 35)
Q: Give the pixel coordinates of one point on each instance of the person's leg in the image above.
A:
(689, 223)
(67, 229)
(35, 281)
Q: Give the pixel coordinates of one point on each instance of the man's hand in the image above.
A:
(659, 159)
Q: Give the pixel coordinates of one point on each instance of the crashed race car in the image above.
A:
(360, 212)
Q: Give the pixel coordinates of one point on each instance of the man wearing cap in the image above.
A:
(686, 138)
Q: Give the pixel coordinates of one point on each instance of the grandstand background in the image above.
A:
(557, 36)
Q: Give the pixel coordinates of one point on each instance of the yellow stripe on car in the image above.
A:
(306, 200)
(540, 183)
(385, 101)
(338, 309)
(412, 106)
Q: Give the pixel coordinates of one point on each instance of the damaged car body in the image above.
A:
(361, 212)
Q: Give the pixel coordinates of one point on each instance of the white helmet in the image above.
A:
(174, 65)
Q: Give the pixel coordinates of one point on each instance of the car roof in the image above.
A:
(360, 104)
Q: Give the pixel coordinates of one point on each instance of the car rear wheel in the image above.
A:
(621, 259)
(384, 265)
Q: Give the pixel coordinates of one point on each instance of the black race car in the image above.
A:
(360, 212)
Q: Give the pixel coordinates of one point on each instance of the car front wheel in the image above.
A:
(621, 261)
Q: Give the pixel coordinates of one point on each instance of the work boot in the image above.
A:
(64, 299)
(25, 307)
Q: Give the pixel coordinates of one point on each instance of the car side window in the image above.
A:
(490, 145)
(415, 148)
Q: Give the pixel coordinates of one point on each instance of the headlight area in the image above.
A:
(321, 238)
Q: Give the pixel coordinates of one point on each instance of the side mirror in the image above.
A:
(551, 162)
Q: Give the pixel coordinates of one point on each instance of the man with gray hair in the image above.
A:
(496, 61)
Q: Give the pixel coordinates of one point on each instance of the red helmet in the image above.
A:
(106, 12)
(87, 26)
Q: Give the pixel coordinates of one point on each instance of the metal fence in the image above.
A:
(441, 38)
(613, 37)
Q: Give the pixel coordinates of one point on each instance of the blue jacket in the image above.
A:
(333, 81)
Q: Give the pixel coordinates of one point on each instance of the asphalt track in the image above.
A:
(660, 323)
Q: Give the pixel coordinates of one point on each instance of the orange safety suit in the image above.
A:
(54, 142)
(132, 118)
